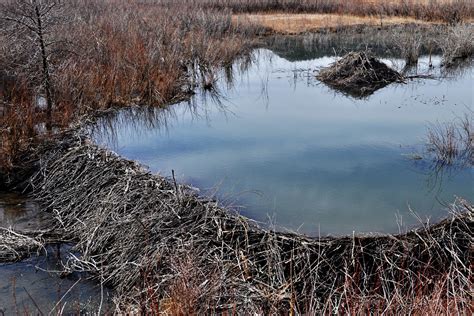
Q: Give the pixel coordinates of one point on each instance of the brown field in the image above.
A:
(300, 23)
(429, 10)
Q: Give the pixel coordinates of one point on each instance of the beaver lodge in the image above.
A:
(359, 74)
(163, 248)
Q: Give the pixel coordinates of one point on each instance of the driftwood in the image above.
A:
(160, 246)
(358, 74)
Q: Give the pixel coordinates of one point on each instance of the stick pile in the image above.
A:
(165, 249)
(15, 246)
(358, 74)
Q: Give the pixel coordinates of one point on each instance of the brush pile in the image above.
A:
(359, 74)
(15, 246)
(165, 249)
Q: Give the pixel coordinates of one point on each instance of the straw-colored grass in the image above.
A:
(300, 23)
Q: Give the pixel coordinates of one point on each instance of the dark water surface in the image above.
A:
(34, 286)
(279, 144)
(18, 212)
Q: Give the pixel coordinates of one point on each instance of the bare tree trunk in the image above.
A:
(46, 76)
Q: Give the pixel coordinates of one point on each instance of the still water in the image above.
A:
(285, 149)
(35, 286)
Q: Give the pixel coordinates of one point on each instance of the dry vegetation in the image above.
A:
(451, 11)
(104, 54)
(452, 143)
(15, 246)
(165, 249)
(161, 247)
(293, 17)
(285, 23)
(458, 44)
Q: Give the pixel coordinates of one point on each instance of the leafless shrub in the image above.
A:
(31, 28)
(409, 45)
(457, 44)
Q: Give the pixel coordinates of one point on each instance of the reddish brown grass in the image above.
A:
(113, 54)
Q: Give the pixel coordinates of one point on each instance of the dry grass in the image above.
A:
(301, 23)
(452, 143)
(443, 10)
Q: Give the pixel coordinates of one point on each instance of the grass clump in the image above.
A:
(452, 143)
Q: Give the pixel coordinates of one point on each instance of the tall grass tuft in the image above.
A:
(452, 143)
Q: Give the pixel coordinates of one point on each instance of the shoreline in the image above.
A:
(141, 232)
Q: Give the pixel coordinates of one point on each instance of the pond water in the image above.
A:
(34, 286)
(283, 148)
(18, 212)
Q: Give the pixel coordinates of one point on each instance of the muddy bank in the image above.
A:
(155, 241)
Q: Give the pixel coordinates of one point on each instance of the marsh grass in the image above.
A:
(452, 143)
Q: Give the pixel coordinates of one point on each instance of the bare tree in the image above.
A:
(31, 25)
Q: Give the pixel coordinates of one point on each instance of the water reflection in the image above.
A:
(28, 288)
(36, 285)
(282, 145)
(19, 213)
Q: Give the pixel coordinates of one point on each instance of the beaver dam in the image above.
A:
(156, 241)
